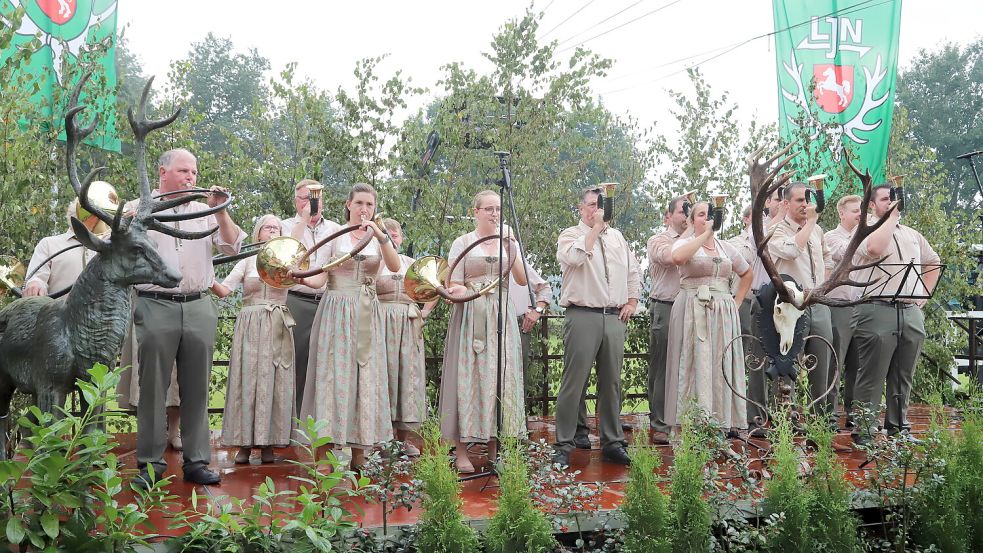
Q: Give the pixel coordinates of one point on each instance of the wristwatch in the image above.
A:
(539, 309)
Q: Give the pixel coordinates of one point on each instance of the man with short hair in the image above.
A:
(665, 287)
(797, 248)
(600, 289)
(844, 319)
(890, 331)
(178, 325)
(302, 301)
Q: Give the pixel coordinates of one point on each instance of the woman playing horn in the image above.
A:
(703, 325)
(402, 323)
(259, 398)
(468, 381)
(347, 383)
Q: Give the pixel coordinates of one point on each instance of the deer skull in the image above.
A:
(786, 315)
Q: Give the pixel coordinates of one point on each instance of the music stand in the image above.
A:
(902, 283)
(971, 326)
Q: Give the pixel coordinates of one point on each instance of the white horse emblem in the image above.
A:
(831, 85)
(64, 8)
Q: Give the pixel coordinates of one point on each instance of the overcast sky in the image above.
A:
(326, 38)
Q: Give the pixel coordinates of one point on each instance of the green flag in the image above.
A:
(65, 28)
(837, 63)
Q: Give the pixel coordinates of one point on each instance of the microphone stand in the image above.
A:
(506, 185)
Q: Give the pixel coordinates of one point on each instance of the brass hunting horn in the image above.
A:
(717, 211)
(816, 187)
(429, 277)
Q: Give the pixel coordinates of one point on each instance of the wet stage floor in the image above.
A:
(479, 495)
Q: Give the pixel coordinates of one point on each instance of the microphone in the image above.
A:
(969, 155)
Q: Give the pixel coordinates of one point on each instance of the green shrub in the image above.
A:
(517, 525)
(833, 526)
(691, 516)
(968, 466)
(646, 509)
(442, 527)
(60, 493)
(785, 495)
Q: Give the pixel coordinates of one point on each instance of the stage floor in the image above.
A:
(479, 496)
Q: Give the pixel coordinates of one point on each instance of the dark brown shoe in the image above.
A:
(657, 437)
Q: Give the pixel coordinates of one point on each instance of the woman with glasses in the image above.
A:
(259, 397)
(468, 385)
(402, 326)
(347, 380)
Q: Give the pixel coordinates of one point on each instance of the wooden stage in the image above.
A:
(479, 496)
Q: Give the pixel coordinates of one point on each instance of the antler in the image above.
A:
(73, 136)
(840, 275)
(765, 180)
(142, 126)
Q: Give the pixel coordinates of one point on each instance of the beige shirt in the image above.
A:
(62, 271)
(907, 245)
(312, 235)
(836, 242)
(663, 272)
(796, 262)
(587, 280)
(743, 245)
(542, 291)
(192, 257)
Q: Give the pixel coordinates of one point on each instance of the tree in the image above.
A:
(943, 93)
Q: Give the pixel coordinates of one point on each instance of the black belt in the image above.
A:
(664, 302)
(604, 310)
(305, 295)
(895, 304)
(179, 298)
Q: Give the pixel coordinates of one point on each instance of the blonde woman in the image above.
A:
(468, 381)
(402, 325)
(347, 381)
(259, 397)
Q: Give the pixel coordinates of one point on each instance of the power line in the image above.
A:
(599, 23)
(855, 8)
(569, 17)
(630, 21)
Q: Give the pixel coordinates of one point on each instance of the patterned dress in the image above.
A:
(702, 328)
(259, 398)
(468, 383)
(402, 326)
(347, 383)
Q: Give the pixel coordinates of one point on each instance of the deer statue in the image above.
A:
(782, 334)
(46, 344)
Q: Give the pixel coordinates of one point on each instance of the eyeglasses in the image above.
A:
(491, 209)
(270, 228)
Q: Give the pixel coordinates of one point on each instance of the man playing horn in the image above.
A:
(179, 324)
(600, 289)
(798, 250)
(309, 227)
(890, 333)
(665, 287)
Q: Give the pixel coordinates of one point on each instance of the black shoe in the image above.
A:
(616, 454)
(582, 442)
(561, 457)
(850, 423)
(861, 439)
(202, 475)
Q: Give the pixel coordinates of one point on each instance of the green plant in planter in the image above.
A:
(317, 516)
(59, 492)
(646, 509)
(517, 525)
(691, 514)
(968, 464)
(833, 526)
(390, 471)
(558, 493)
(785, 494)
(442, 526)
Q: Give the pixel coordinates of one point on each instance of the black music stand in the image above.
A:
(902, 283)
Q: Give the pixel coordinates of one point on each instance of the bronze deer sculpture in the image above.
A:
(46, 344)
